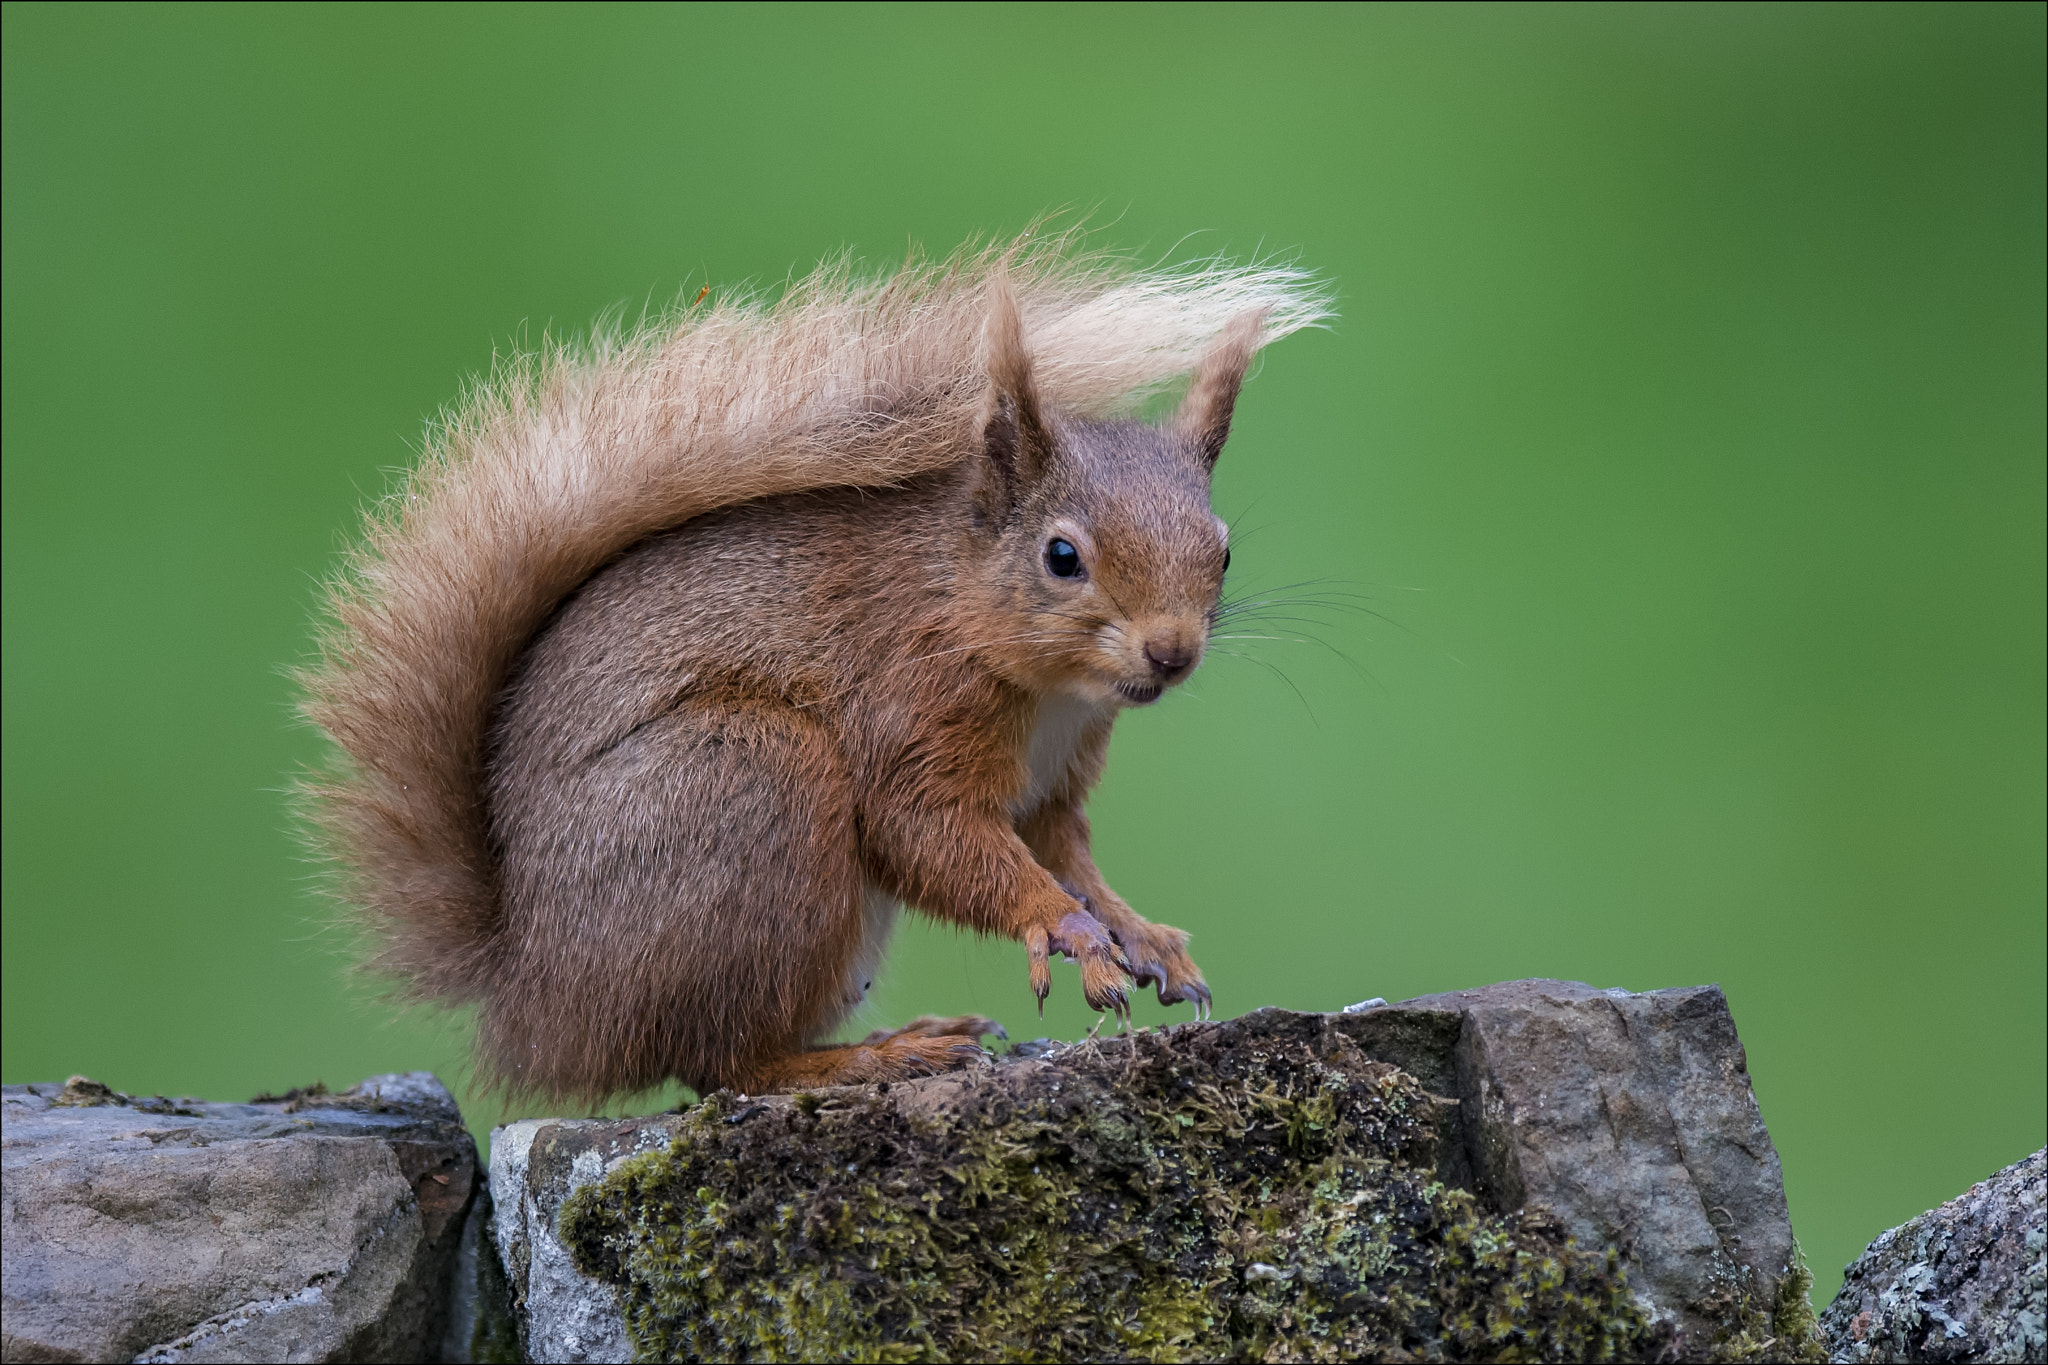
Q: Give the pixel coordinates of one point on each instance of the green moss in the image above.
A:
(1785, 1330)
(1137, 1202)
(1793, 1319)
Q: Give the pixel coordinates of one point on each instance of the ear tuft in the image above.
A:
(1204, 416)
(1009, 364)
(1015, 441)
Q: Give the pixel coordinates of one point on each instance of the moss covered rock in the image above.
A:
(1152, 1198)
(1277, 1187)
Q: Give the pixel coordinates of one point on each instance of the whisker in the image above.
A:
(1331, 588)
(1268, 618)
(1289, 603)
(1308, 638)
(1068, 643)
(1263, 610)
(1276, 672)
(1112, 597)
(1342, 601)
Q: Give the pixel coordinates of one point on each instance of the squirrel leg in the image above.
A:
(935, 1026)
(968, 866)
(892, 1056)
(1057, 835)
(939, 836)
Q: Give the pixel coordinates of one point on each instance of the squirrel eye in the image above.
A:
(1062, 560)
(1226, 559)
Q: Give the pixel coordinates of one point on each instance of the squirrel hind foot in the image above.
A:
(939, 1026)
(898, 1056)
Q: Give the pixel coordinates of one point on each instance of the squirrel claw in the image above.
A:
(1038, 944)
(1112, 1002)
(1196, 990)
(1159, 958)
(1082, 937)
(1104, 968)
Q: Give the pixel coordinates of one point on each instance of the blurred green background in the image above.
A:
(1683, 427)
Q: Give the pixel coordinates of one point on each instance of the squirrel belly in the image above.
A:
(676, 668)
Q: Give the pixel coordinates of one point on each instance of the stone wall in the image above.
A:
(1534, 1171)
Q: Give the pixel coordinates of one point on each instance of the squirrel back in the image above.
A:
(566, 460)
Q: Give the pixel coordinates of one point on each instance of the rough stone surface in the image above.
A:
(1629, 1117)
(300, 1227)
(562, 1314)
(1538, 1170)
(1966, 1281)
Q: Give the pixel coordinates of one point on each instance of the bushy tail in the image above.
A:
(564, 459)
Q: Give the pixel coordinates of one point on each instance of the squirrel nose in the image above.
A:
(1168, 660)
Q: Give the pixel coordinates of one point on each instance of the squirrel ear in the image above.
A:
(1204, 416)
(1016, 444)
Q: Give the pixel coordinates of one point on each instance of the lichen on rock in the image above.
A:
(1964, 1281)
(1157, 1197)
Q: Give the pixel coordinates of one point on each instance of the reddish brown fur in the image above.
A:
(696, 793)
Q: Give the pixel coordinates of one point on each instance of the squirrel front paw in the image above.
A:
(1158, 956)
(1104, 969)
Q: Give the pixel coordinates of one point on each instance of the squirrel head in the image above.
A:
(1099, 549)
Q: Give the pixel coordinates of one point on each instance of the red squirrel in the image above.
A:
(680, 663)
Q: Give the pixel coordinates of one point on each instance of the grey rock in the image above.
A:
(1966, 1281)
(299, 1227)
(1627, 1118)
(562, 1314)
